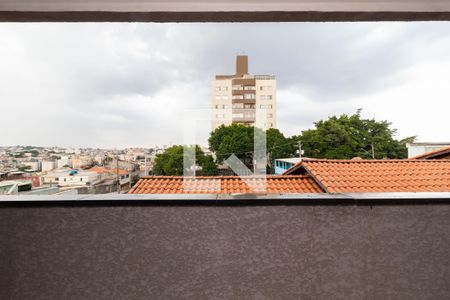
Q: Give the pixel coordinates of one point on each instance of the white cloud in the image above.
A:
(119, 85)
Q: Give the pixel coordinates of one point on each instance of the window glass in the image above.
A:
(81, 100)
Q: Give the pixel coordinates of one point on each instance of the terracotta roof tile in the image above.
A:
(347, 176)
(225, 185)
(101, 170)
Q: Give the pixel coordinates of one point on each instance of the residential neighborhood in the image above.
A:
(56, 170)
(345, 153)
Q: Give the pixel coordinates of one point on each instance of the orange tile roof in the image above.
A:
(351, 176)
(275, 184)
(434, 154)
(101, 170)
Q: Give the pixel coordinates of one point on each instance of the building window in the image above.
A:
(265, 106)
(225, 97)
(269, 115)
(266, 97)
(249, 96)
(265, 88)
(217, 88)
(238, 105)
(81, 179)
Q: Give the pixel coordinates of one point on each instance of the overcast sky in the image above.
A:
(128, 85)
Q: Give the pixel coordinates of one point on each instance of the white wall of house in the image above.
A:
(48, 165)
(34, 165)
(78, 179)
(124, 179)
(63, 161)
(415, 149)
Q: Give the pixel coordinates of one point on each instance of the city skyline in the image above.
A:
(120, 85)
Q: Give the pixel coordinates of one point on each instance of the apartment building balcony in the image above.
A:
(243, 92)
(265, 77)
(244, 81)
(244, 120)
(244, 111)
(244, 101)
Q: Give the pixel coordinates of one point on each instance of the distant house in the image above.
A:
(64, 161)
(13, 187)
(283, 164)
(106, 173)
(68, 177)
(443, 153)
(48, 165)
(53, 176)
(418, 149)
(33, 166)
(78, 178)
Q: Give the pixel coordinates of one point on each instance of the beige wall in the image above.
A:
(269, 88)
(219, 100)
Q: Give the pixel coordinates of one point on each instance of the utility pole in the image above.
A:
(300, 149)
(373, 151)
(129, 174)
(117, 172)
(145, 157)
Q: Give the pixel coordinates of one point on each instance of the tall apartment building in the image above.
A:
(240, 98)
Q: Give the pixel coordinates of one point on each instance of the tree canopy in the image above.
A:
(345, 137)
(171, 162)
(279, 146)
(237, 139)
(233, 139)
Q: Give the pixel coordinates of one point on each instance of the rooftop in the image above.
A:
(226, 185)
(368, 176)
(101, 170)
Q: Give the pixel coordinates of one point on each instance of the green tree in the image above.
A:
(278, 146)
(209, 167)
(233, 139)
(239, 140)
(345, 137)
(171, 162)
